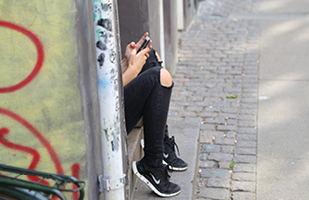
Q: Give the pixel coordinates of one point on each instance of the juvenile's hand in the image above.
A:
(132, 45)
(129, 49)
(137, 60)
(140, 42)
(133, 62)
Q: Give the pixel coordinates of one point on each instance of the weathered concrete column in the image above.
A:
(189, 12)
(89, 93)
(154, 12)
(109, 82)
(170, 35)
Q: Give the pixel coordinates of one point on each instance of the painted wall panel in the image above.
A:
(41, 125)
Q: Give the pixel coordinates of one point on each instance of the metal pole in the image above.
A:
(109, 81)
(162, 37)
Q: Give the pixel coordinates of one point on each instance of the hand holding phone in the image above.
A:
(145, 44)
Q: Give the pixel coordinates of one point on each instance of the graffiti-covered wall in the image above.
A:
(41, 126)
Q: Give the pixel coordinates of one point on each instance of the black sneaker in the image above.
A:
(169, 155)
(157, 180)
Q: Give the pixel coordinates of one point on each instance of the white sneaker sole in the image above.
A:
(153, 188)
(175, 168)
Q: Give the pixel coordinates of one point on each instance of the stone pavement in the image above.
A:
(283, 162)
(243, 79)
(216, 84)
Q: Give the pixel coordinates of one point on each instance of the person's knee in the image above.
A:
(165, 78)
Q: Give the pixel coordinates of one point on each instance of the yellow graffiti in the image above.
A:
(51, 101)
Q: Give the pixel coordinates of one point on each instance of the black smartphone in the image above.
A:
(145, 43)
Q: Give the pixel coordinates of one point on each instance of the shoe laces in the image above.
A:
(167, 179)
(173, 144)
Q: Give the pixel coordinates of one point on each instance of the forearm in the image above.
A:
(129, 75)
(132, 67)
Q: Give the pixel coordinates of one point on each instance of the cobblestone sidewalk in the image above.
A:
(216, 83)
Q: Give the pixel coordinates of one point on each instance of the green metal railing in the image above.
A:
(15, 186)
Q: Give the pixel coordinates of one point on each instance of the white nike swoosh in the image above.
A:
(155, 180)
(165, 155)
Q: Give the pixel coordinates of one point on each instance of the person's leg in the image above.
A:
(154, 119)
(148, 95)
(170, 157)
(136, 94)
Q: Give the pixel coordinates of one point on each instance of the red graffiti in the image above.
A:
(33, 152)
(37, 134)
(40, 58)
(75, 173)
(3, 131)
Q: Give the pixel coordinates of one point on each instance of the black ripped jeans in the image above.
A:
(145, 97)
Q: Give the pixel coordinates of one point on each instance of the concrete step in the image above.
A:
(186, 136)
(135, 152)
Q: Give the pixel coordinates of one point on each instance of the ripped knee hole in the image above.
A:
(165, 78)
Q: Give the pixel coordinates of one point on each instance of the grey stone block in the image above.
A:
(245, 151)
(251, 144)
(225, 141)
(215, 173)
(209, 148)
(207, 127)
(203, 156)
(244, 168)
(243, 176)
(226, 128)
(214, 193)
(220, 157)
(206, 164)
(243, 186)
(224, 165)
(245, 123)
(243, 196)
(231, 134)
(218, 182)
(247, 137)
(227, 149)
(206, 136)
(247, 130)
(244, 159)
